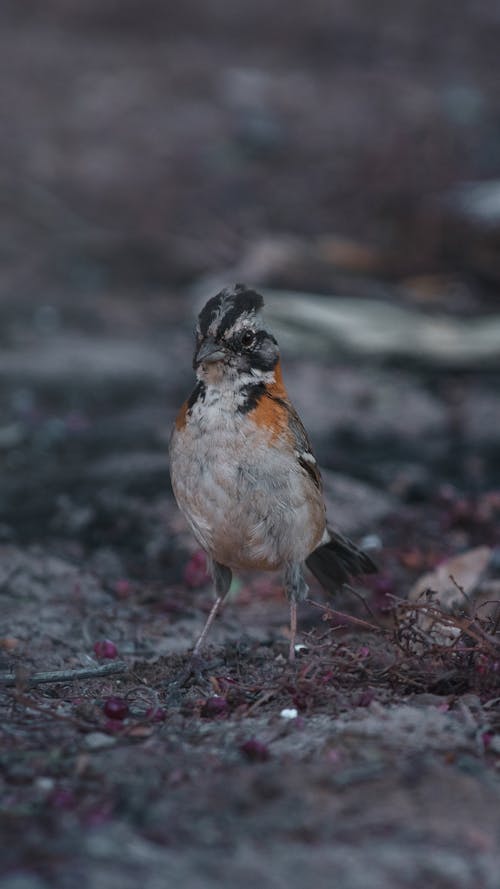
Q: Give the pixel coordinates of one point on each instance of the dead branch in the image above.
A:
(63, 675)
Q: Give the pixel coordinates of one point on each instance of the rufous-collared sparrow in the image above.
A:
(242, 469)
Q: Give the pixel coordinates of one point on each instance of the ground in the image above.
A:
(146, 157)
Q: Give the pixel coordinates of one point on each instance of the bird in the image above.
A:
(242, 468)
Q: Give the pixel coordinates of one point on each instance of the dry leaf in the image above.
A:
(450, 587)
(462, 572)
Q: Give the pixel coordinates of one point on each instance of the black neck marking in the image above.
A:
(253, 393)
(198, 394)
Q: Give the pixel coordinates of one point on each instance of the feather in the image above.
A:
(335, 562)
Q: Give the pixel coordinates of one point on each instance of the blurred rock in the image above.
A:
(354, 506)
(381, 330)
(469, 217)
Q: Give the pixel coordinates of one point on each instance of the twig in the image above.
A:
(361, 598)
(460, 589)
(64, 675)
(347, 617)
(465, 624)
(262, 699)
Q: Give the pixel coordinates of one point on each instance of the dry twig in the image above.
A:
(63, 675)
(349, 618)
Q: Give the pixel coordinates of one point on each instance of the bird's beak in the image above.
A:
(208, 353)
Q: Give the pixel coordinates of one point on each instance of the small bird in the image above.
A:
(242, 468)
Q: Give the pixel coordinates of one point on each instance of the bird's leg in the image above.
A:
(293, 630)
(222, 577)
(296, 589)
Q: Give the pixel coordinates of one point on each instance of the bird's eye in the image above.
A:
(247, 338)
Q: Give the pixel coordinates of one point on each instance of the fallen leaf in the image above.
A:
(449, 588)
(462, 572)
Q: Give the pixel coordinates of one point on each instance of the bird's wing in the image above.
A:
(302, 445)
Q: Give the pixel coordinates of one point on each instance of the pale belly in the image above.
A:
(249, 504)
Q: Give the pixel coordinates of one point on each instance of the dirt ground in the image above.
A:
(145, 155)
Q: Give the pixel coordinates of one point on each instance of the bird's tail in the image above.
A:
(335, 562)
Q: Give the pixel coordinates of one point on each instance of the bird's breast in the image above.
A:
(242, 490)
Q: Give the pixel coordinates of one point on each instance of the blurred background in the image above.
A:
(343, 157)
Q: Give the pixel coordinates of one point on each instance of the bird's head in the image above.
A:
(231, 340)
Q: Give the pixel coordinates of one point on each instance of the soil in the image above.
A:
(144, 154)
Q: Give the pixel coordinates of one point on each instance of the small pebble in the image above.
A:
(98, 741)
(300, 648)
(494, 744)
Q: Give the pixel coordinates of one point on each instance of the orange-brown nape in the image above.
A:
(272, 409)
